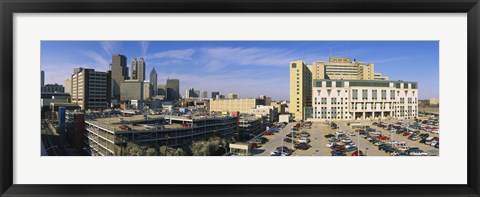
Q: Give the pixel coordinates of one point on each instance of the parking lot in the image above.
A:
(368, 138)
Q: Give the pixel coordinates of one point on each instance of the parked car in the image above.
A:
(351, 133)
(346, 140)
(358, 153)
(329, 136)
(339, 132)
(333, 139)
(303, 140)
(288, 140)
(350, 148)
(338, 153)
(331, 145)
(418, 153)
(302, 146)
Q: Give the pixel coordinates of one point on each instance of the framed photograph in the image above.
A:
(239, 98)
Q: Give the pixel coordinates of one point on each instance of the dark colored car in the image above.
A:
(338, 153)
(292, 134)
(351, 148)
(437, 145)
(390, 149)
(302, 146)
(285, 149)
(289, 140)
(329, 135)
(358, 153)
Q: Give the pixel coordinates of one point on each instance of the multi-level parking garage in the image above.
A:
(109, 136)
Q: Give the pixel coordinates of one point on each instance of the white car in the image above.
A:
(418, 153)
(304, 140)
(332, 144)
(351, 133)
(346, 140)
(433, 143)
(435, 131)
(339, 132)
(393, 130)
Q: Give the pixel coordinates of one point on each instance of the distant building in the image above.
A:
(153, 82)
(161, 90)
(204, 94)
(192, 93)
(91, 89)
(231, 105)
(68, 85)
(232, 96)
(147, 90)
(215, 94)
(53, 88)
(132, 90)
(138, 69)
(434, 101)
(42, 79)
(119, 73)
(173, 89)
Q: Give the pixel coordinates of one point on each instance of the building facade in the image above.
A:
(153, 83)
(103, 137)
(68, 85)
(300, 89)
(344, 68)
(132, 90)
(232, 96)
(53, 88)
(215, 94)
(235, 105)
(91, 89)
(173, 89)
(119, 73)
(364, 99)
(42, 79)
(138, 69)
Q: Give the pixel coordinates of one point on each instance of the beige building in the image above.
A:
(232, 96)
(68, 85)
(434, 101)
(344, 68)
(231, 105)
(146, 90)
(300, 89)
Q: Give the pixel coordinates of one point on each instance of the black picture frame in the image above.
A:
(10, 7)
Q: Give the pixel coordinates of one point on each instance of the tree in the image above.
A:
(207, 148)
(169, 151)
(151, 152)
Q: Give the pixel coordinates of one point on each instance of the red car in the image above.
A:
(406, 134)
(381, 137)
(268, 133)
(340, 148)
(358, 153)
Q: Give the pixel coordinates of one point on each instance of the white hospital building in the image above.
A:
(363, 99)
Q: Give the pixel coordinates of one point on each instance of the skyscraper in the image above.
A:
(300, 89)
(153, 82)
(42, 79)
(173, 89)
(138, 69)
(119, 73)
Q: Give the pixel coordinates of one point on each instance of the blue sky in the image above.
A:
(249, 68)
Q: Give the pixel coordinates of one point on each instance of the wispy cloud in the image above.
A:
(184, 54)
(110, 47)
(97, 60)
(144, 47)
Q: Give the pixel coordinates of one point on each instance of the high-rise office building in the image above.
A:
(138, 69)
(204, 94)
(300, 89)
(153, 82)
(192, 93)
(215, 94)
(42, 79)
(91, 89)
(162, 90)
(119, 73)
(132, 90)
(173, 89)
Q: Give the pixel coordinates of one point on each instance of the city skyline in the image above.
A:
(249, 68)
